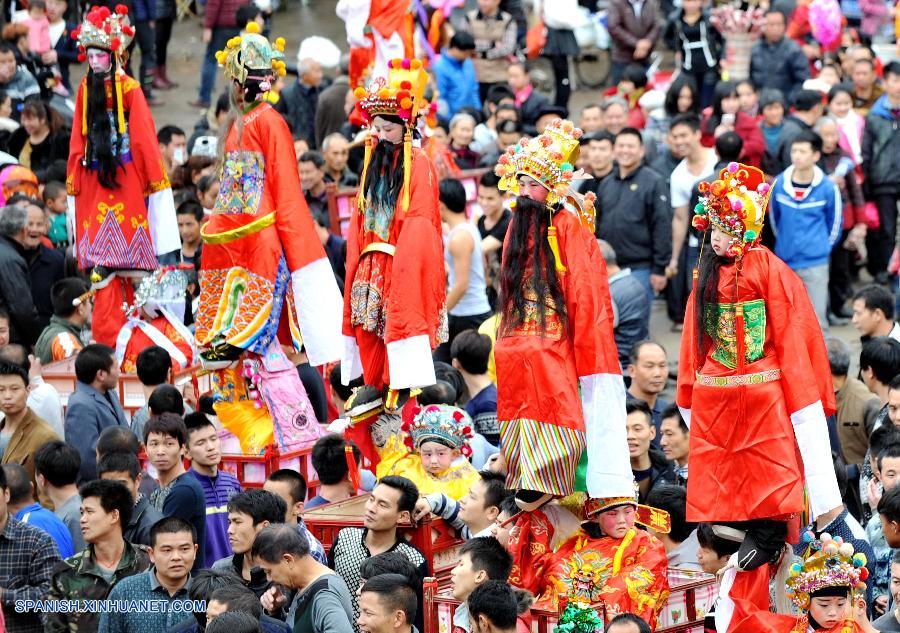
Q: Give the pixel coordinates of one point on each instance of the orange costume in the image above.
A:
(128, 226)
(377, 31)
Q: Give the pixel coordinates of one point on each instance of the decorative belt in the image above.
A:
(758, 378)
(237, 233)
(380, 247)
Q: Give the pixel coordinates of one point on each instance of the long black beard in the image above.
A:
(528, 261)
(707, 299)
(100, 144)
(384, 177)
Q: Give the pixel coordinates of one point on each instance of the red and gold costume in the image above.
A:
(396, 286)
(127, 227)
(561, 389)
(377, 32)
(757, 396)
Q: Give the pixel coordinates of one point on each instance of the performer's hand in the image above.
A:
(879, 606)
(207, 36)
(423, 509)
(658, 282)
(272, 600)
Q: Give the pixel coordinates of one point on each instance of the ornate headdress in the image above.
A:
(252, 52)
(736, 204)
(440, 423)
(658, 520)
(550, 159)
(108, 31)
(400, 94)
(828, 563)
(164, 288)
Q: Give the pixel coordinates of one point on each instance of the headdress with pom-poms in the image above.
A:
(735, 203)
(400, 94)
(109, 31)
(654, 518)
(828, 562)
(253, 53)
(440, 423)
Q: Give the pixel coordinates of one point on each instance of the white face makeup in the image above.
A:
(98, 60)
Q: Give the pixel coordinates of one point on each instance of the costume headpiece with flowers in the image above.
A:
(252, 56)
(163, 289)
(109, 31)
(439, 423)
(653, 518)
(401, 94)
(829, 567)
(736, 204)
(549, 159)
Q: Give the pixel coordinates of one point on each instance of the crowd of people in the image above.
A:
(483, 384)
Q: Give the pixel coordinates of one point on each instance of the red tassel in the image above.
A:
(352, 468)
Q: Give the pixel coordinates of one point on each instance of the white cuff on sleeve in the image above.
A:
(351, 363)
(319, 311)
(609, 469)
(811, 431)
(686, 414)
(410, 363)
(163, 222)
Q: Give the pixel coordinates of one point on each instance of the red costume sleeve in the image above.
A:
(687, 360)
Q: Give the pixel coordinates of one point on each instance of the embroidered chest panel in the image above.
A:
(721, 326)
(243, 180)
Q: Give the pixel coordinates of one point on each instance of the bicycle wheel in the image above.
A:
(592, 68)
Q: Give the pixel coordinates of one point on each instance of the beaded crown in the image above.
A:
(104, 29)
(163, 288)
(828, 562)
(439, 423)
(400, 94)
(252, 52)
(653, 518)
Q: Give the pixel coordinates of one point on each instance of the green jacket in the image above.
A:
(43, 349)
(79, 578)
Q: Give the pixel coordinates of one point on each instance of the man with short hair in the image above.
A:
(615, 114)
(324, 601)
(336, 151)
(807, 110)
(248, 513)
(330, 462)
(22, 432)
(475, 514)
(92, 572)
(455, 76)
(648, 463)
(866, 87)
(173, 146)
(873, 313)
(889, 511)
(387, 605)
(121, 439)
(62, 338)
(235, 597)
(681, 541)
(15, 289)
(805, 213)
(27, 558)
(599, 158)
(15, 81)
(648, 367)
(174, 547)
(493, 608)
(675, 441)
(43, 398)
(591, 118)
(631, 307)
(480, 559)
(312, 181)
(471, 352)
(94, 406)
(154, 368)
(297, 102)
(634, 214)
(218, 485)
(890, 622)
(56, 466)
(529, 101)
(391, 502)
(190, 218)
(126, 469)
(857, 407)
(291, 487)
(179, 494)
(776, 61)
(24, 508)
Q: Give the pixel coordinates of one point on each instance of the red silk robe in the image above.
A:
(754, 445)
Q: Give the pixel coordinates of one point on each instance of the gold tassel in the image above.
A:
(407, 160)
(554, 246)
(119, 107)
(84, 109)
(362, 179)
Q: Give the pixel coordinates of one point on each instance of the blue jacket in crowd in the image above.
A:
(456, 84)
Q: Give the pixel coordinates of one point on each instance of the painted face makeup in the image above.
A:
(98, 60)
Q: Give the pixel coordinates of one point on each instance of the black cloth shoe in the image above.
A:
(531, 500)
(763, 544)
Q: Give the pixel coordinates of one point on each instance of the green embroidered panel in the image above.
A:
(721, 327)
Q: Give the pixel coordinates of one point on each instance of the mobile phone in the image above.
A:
(728, 118)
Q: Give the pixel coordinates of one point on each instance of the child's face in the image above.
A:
(36, 13)
(829, 611)
(626, 87)
(615, 523)
(436, 458)
(208, 199)
(709, 561)
(57, 204)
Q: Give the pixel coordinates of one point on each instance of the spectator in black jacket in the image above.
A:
(634, 214)
(125, 468)
(298, 101)
(648, 463)
(776, 61)
(528, 100)
(808, 109)
(46, 265)
(15, 290)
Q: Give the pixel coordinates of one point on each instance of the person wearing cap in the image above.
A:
(611, 562)
(119, 191)
(752, 358)
(265, 279)
(395, 288)
(556, 332)
(434, 452)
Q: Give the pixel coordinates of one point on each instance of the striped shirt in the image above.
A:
(145, 586)
(217, 491)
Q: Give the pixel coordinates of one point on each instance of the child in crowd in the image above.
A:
(435, 453)
(54, 196)
(38, 27)
(470, 352)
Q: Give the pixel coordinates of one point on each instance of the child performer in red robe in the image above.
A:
(120, 199)
(754, 385)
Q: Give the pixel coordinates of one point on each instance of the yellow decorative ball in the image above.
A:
(415, 64)
(360, 93)
(252, 27)
(279, 44)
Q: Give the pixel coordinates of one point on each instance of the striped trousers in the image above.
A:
(541, 456)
